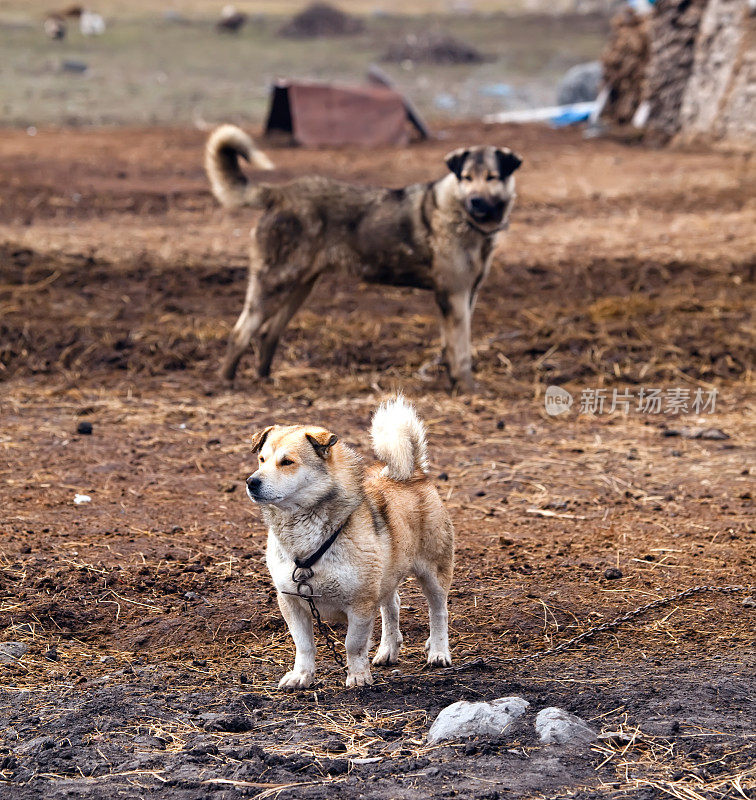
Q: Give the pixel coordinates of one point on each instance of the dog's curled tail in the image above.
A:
(229, 184)
(399, 439)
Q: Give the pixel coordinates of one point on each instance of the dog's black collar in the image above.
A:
(313, 558)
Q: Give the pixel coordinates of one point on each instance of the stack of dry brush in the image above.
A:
(691, 64)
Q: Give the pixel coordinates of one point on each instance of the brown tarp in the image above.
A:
(323, 114)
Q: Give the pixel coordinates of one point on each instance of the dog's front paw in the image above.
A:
(463, 384)
(386, 655)
(296, 679)
(361, 678)
(439, 658)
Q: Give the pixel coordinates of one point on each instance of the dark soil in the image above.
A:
(153, 643)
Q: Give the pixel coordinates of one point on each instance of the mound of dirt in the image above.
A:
(321, 19)
(433, 48)
(624, 63)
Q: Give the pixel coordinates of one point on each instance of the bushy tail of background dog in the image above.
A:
(399, 439)
(229, 184)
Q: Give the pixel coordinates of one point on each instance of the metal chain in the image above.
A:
(301, 578)
(606, 626)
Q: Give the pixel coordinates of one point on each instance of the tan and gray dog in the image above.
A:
(358, 532)
(438, 236)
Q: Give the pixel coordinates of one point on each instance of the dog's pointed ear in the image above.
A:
(322, 442)
(456, 160)
(259, 437)
(507, 161)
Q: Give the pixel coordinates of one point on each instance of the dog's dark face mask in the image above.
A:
(485, 184)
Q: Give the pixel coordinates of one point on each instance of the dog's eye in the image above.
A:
(262, 460)
(286, 462)
(492, 177)
(467, 177)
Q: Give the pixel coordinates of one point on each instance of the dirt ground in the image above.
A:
(153, 643)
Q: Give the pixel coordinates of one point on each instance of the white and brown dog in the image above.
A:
(359, 531)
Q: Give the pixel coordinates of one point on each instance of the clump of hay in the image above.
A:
(433, 48)
(321, 19)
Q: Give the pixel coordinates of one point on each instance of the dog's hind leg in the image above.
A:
(435, 593)
(391, 636)
(277, 324)
(249, 323)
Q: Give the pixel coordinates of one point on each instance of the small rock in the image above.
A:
(463, 719)
(749, 602)
(557, 726)
(500, 425)
(697, 433)
(712, 433)
(152, 742)
(10, 652)
(191, 596)
(52, 654)
(612, 573)
(84, 428)
(229, 488)
(227, 723)
(203, 749)
(78, 67)
(443, 476)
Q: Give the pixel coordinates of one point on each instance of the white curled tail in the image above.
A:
(229, 184)
(399, 439)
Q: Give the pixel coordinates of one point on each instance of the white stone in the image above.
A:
(11, 652)
(557, 726)
(463, 719)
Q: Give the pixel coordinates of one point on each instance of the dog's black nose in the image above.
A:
(479, 204)
(253, 484)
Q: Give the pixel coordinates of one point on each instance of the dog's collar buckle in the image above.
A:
(300, 576)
